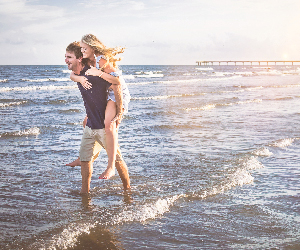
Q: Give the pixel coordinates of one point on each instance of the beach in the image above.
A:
(212, 152)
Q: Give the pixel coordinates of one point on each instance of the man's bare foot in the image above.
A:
(77, 162)
(108, 173)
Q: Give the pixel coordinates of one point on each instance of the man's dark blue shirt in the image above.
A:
(94, 100)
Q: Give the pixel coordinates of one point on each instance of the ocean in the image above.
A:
(212, 152)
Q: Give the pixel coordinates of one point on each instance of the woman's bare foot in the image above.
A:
(74, 163)
(108, 173)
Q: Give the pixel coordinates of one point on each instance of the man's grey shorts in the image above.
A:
(93, 140)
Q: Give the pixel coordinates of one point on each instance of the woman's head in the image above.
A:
(91, 45)
(87, 50)
(93, 42)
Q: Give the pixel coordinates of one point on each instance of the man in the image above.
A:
(94, 137)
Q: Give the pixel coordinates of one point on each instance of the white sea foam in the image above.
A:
(205, 69)
(158, 97)
(47, 80)
(245, 73)
(223, 73)
(239, 177)
(248, 101)
(33, 88)
(254, 88)
(261, 67)
(139, 83)
(286, 86)
(262, 152)
(141, 213)
(145, 212)
(186, 80)
(226, 77)
(211, 106)
(193, 74)
(26, 132)
(67, 71)
(3, 80)
(181, 81)
(241, 102)
(206, 107)
(67, 238)
(269, 72)
(250, 163)
(149, 74)
(237, 73)
(3, 105)
(128, 77)
(282, 143)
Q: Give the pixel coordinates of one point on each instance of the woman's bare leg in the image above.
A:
(111, 139)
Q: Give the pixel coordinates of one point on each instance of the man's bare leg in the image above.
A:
(74, 163)
(86, 174)
(78, 163)
(123, 171)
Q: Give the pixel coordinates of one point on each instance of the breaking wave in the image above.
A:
(283, 143)
(211, 106)
(26, 132)
(145, 212)
(34, 88)
(159, 97)
(9, 104)
(47, 80)
(262, 152)
(66, 239)
(239, 177)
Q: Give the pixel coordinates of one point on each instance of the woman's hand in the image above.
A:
(85, 83)
(93, 71)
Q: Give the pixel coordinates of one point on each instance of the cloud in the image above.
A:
(113, 5)
(24, 11)
(153, 31)
(23, 21)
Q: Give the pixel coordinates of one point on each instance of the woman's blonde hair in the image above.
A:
(99, 47)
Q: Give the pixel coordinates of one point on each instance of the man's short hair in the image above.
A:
(75, 48)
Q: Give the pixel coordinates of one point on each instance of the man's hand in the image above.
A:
(84, 121)
(118, 118)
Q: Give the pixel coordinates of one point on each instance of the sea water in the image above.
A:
(212, 152)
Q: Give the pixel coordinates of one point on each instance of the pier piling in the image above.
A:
(243, 62)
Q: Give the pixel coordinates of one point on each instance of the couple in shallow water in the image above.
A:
(106, 99)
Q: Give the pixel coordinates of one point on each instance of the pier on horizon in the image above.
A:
(247, 62)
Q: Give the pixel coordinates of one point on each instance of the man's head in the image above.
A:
(73, 57)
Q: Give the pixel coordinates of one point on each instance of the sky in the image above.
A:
(154, 32)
